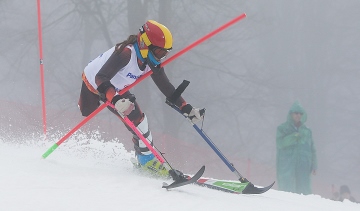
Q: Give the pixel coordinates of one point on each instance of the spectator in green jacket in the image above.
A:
(296, 155)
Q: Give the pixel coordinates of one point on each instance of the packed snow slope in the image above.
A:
(90, 175)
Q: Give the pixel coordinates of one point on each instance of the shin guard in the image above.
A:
(140, 147)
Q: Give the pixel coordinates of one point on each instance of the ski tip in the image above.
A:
(251, 189)
(202, 169)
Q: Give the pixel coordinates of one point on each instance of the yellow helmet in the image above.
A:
(155, 37)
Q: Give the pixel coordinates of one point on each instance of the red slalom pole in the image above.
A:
(238, 18)
(41, 67)
(139, 133)
(186, 49)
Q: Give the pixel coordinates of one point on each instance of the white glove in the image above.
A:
(124, 106)
(193, 113)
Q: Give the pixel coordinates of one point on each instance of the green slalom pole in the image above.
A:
(53, 147)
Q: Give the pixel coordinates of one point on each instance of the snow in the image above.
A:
(86, 174)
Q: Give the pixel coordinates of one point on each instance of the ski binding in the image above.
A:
(181, 180)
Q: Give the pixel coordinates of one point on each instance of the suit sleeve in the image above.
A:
(165, 86)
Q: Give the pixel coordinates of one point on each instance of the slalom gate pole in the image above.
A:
(139, 133)
(55, 146)
(224, 26)
(41, 67)
(189, 47)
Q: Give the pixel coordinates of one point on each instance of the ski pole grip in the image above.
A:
(202, 111)
(177, 93)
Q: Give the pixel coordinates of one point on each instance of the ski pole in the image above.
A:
(231, 22)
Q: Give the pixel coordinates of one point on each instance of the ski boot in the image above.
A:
(150, 164)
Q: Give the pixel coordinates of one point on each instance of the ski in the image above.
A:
(185, 180)
(229, 186)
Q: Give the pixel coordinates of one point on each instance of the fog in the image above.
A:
(247, 77)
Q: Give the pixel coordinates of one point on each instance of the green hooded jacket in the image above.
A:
(296, 154)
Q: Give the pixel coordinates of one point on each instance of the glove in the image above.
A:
(124, 106)
(106, 91)
(297, 136)
(194, 114)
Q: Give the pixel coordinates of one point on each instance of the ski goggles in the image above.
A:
(159, 53)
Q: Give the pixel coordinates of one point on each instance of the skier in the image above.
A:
(119, 67)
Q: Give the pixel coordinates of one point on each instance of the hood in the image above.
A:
(296, 107)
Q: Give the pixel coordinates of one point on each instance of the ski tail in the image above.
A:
(252, 189)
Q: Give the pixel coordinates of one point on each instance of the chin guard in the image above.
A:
(155, 68)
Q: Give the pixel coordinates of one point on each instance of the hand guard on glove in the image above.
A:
(124, 106)
(194, 114)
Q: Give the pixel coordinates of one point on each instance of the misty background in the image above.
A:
(246, 77)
